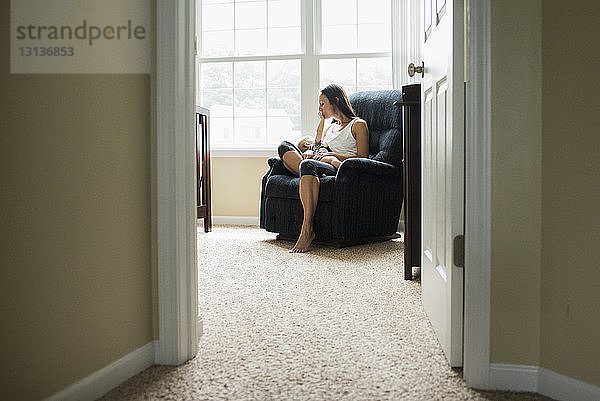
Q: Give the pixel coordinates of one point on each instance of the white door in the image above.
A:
(443, 171)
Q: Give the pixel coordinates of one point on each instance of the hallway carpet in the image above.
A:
(331, 324)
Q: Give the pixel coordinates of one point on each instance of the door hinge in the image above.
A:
(459, 251)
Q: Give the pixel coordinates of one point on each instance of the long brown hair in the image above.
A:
(338, 98)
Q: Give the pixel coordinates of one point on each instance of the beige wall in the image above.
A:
(516, 182)
(236, 185)
(571, 190)
(75, 293)
(546, 186)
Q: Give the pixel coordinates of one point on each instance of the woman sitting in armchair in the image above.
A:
(347, 137)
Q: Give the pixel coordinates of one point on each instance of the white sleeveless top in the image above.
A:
(341, 140)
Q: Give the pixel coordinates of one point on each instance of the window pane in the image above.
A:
(342, 72)
(249, 74)
(374, 38)
(284, 31)
(221, 131)
(374, 12)
(375, 72)
(249, 102)
(250, 131)
(217, 17)
(369, 88)
(338, 19)
(339, 39)
(250, 15)
(283, 102)
(217, 43)
(338, 12)
(283, 128)
(284, 13)
(251, 42)
(283, 74)
(284, 41)
(356, 26)
(218, 101)
(297, 130)
(216, 75)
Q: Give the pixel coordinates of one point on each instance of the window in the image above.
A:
(262, 63)
(361, 28)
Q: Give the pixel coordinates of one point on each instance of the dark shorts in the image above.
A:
(286, 146)
(308, 166)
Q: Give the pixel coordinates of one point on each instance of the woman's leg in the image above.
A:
(290, 156)
(310, 170)
(309, 196)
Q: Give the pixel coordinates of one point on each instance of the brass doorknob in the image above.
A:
(420, 69)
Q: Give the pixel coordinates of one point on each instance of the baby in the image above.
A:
(308, 142)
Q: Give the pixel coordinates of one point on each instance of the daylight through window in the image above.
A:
(262, 62)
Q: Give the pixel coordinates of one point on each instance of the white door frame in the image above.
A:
(176, 188)
(176, 182)
(478, 166)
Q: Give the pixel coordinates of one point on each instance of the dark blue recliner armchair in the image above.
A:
(363, 201)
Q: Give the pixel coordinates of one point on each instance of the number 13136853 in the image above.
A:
(50, 51)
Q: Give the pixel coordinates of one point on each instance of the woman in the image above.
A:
(346, 138)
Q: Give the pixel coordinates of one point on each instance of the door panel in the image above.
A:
(440, 170)
(440, 9)
(428, 17)
(427, 186)
(443, 172)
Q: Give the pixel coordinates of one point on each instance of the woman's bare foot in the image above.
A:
(304, 241)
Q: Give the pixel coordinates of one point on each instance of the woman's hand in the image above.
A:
(323, 155)
(328, 158)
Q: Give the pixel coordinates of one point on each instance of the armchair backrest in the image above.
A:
(384, 121)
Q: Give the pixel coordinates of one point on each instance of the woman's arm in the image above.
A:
(318, 138)
(360, 131)
(319, 135)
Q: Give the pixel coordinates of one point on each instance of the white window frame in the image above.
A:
(310, 59)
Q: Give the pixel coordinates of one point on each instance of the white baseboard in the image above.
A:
(554, 385)
(541, 380)
(236, 220)
(513, 377)
(102, 381)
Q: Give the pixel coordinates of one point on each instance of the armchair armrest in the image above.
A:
(367, 166)
(276, 167)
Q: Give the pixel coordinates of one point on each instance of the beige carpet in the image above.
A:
(332, 324)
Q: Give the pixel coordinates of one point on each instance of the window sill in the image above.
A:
(236, 152)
